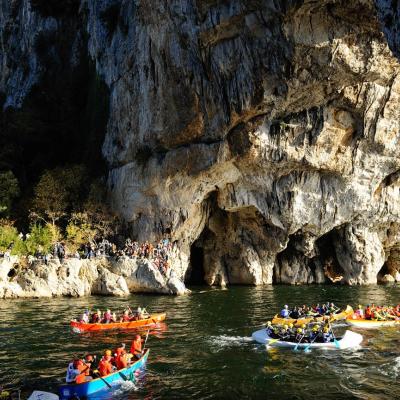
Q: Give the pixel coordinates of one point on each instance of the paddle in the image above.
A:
(334, 338)
(312, 341)
(144, 346)
(271, 342)
(104, 381)
(297, 345)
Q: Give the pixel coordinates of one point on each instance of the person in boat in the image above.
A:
(359, 312)
(72, 371)
(285, 312)
(368, 312)
(96, 317)
(326, 335)
(136, 347)
(126, 317)
(123, 360)
(89, 363)
(299, 335)
(107, 317)
(294, 313)
(284, 334)
(85, 317)
(114, 317)
(105, 364)
(119, 350)
(313, 336)
(269, 328)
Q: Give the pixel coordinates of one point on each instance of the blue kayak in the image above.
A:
(85, 389)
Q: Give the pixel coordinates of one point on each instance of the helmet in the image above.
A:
(89, 357)
(299, 330)
(285, 327)
(269, 323)
(315, 328)
(290, 325)
(326, 329)
(359, 306)
(286, 306)
(304, 326)
(107, 352)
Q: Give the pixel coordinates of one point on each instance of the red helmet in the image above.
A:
(138, 336)
(89, 357)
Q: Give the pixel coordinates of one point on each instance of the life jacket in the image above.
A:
(88, 366)
(105, 367)
(126, 318)
(122, 361)
(136, 347)
(82, 376)
(368, 313)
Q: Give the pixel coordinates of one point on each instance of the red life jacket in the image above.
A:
(122, 361)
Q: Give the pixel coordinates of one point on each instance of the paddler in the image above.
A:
(285, 312)
(72, 371)
(359, 312)
(284, 333)
(96, 317)
(119, 350)
(107, 317)
(105, 364)
(136, 347)
(85, 317)
(123, 360)
(125, 317)
(326, 335)
(314, 333)
(269, 328)
(368, 312)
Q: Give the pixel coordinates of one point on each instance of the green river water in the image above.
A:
(204, 350)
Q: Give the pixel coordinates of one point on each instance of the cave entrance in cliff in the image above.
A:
(195, 274)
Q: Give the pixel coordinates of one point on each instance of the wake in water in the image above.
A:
(224, 341)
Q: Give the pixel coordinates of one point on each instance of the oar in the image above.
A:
(312, 341)
(297, 345)
(144, 346)
(271, 342)
(98, 375)
(334, 338)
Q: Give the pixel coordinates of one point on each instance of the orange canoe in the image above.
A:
(152, 320)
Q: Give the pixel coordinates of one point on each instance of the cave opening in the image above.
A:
(195, 273)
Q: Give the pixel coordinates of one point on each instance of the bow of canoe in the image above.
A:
(152, 320)
(82, 390)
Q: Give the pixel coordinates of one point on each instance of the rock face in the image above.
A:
(262, 135)
(78, 278)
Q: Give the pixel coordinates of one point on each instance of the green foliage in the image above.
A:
(41, 238)
(79, 232)
(9, 190)
(8, 235)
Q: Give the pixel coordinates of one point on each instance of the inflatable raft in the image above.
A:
(277, 320)
(106, 383)
(349, 340)
(82, 327)
(371, 323)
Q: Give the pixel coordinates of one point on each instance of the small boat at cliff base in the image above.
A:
(277, 320)
(106, 383)
(153, 319)
(347, 341)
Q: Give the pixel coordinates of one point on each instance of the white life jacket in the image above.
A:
(72, 373)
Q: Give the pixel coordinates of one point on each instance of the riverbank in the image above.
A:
(77, 278)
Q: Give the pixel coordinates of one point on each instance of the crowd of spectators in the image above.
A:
(158, 254)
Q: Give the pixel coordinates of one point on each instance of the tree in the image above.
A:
(41, 238)
(9, 191)
(8, 235)
(58, 192)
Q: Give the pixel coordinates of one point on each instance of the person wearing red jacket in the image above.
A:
(136, 347)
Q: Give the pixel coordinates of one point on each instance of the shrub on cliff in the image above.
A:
(79, 233)
(41, 238)
(8, 236)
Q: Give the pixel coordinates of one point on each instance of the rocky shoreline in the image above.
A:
(76, 278)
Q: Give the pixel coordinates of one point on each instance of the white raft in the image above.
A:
(348, 341)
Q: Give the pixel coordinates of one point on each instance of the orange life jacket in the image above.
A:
(105, 367)
(136, 347)
(122, 361)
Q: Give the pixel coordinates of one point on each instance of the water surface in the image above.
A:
(204, 350)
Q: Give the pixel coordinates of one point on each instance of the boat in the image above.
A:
(277, 320)
(106, 383)
(39, 395)
(347, 341)
(153, 319)
(371, 323)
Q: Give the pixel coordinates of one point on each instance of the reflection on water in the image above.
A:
(204, 350)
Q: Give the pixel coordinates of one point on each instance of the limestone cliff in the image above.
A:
(262, 135)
